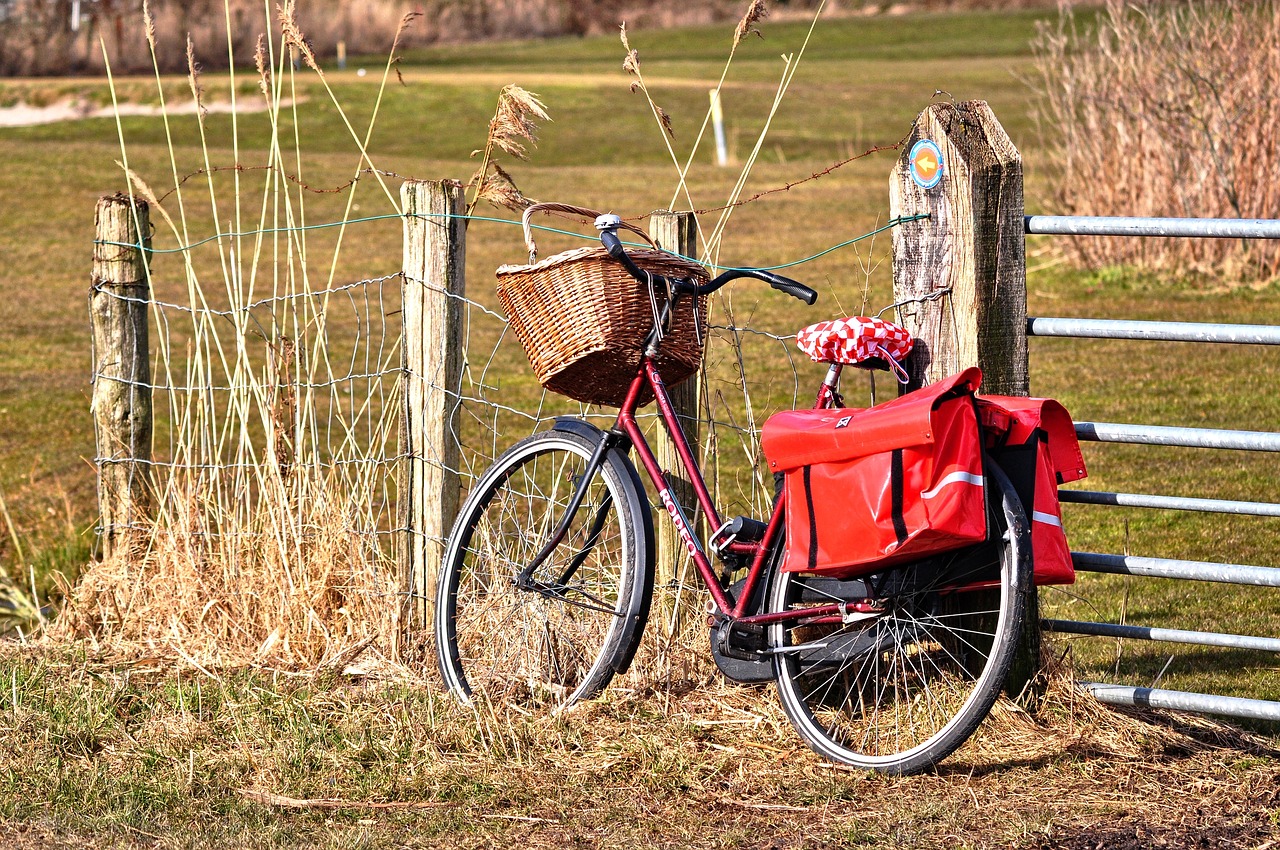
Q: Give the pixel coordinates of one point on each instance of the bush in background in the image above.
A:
(37, 36)
(1168, 109)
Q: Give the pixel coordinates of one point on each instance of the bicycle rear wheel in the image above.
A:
(558, 636)
(901, 686)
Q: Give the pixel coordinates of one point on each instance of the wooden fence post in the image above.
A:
(969, 258)
(969, 251)
(434, 281)
(118, 303)
(677, 232)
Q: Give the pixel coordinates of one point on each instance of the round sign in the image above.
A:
(926, 164)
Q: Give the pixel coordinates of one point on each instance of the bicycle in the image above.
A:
(547, 581)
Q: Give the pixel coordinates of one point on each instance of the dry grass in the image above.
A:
(261, 760)
(1167, 109)
(274, 467)
(286, 589)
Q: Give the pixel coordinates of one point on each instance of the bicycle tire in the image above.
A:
(903, 689)
(551, 647)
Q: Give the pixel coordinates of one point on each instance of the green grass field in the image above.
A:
(144, 754)
(602, 149)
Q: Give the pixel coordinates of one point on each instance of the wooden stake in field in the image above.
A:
(963, 270)
(118, 304)
(677, 232)
(434, 281)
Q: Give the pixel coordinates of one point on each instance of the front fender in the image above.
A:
(642, 519)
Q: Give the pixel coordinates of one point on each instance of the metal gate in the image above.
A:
(1106, 432)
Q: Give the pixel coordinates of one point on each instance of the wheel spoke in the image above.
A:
(545, 646)
(900, 691)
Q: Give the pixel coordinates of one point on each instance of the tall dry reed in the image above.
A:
(1167, 109)
(276, 401)
(277, 398)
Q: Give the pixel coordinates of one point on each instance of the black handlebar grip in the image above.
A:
(794, 288)
(612, 244)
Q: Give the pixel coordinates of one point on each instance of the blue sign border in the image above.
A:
(911, 163)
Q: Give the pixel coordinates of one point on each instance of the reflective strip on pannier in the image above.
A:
(869, 488)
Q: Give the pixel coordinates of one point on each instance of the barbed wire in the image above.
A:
(365, 172)
(240, 234)
(814, 176)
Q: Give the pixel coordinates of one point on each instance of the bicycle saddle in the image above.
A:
(854, 341)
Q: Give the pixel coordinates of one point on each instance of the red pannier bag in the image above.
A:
(870, 488)
(1034, 442)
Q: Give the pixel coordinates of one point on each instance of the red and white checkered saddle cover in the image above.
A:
(854, 340)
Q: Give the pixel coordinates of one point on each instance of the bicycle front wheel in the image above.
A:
(548, 638)
(906, 678)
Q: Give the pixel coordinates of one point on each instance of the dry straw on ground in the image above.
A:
(687, 761)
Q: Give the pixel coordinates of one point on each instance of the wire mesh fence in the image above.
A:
(271, 487)
(273, 531)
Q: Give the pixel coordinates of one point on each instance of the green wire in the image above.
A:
(888, 226)
(233, 234)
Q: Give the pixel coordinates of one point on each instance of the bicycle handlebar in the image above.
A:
(609, 238)
(794, 288)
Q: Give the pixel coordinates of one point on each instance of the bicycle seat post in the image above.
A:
(829, 391)
(832, 380)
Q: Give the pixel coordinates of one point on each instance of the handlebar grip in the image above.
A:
(612, 244)
(794, 288)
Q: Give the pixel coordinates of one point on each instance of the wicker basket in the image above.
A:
(582, 318)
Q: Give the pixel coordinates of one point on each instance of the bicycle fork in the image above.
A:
(524, 580)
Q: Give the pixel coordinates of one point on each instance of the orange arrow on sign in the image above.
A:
(926, 163)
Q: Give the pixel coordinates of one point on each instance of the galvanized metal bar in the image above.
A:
(1129, 565)
(1158, 331)
(1160, 435)
(1169, 503)
(1252, 709)
(1114, 630)
(1204, 228)
(1164, 435)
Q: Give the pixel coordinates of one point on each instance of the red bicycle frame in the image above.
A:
(648, 375)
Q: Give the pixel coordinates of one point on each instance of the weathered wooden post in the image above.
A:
(118, 303)
(434, 281)
(960, 167)
(677, 232)
(966, 264)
